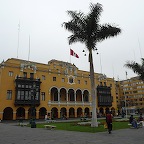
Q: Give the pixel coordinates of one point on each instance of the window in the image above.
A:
(43, 96)
(54, 78)
(71, 80)
(9, 94)
(63, 79)
(27, 86)
(43, 77)
(26, 95)
(25, 74)
(134, 91)
(22, 95)
(85, 82)
(10, 73)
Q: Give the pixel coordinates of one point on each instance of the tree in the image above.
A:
(137, 68)
(87, 29)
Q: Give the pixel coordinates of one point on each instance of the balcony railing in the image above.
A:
(69, 103)
(27, 102)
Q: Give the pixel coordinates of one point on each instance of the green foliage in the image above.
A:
(137, 68)
(86, 28)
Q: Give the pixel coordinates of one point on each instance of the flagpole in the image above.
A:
(18, 38)
(100, 64)
(29, 49)
(70, 54)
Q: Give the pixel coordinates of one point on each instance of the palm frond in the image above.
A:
(86, 28)
(137, 68)
(106, 31)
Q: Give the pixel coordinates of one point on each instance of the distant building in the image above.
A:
(61, 89)
(130, 93)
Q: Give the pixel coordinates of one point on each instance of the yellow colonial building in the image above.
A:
(55, 89)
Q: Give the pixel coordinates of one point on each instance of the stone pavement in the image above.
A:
(12, 134)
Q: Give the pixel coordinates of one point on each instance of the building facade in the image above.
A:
(55, 89)
(131, 95)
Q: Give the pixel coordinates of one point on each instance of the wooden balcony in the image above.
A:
(27, 102)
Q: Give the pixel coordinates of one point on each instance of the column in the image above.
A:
(75, 96)
(75, 113)
(14, 115)
(59, 114)
(37, 114)
(58, 95)
(1, 115)
(82, 98)
(26, 114)
(67, 114)
(67, 97)
(83, 114)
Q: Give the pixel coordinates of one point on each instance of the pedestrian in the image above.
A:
(109, 121)
(46, 117)
(141, 120)
(133, 121)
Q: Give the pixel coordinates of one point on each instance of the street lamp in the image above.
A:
(126, 105)
(33, 95)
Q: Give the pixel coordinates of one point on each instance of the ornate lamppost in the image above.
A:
(33, 96)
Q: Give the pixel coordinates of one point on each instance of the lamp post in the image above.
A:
(33, 95)
(126, 106)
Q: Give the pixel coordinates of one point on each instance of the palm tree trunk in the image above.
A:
(93, 91)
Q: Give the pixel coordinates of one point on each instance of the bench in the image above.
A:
(49, 127)
(22, 124)
(50, 121)
(84, 119)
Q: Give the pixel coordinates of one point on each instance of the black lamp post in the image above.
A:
(33, 95)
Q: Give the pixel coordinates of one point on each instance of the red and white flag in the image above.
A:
(73, 53)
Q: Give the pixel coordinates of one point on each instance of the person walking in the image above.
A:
(109, 121)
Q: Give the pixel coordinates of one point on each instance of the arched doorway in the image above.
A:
(79, 112)
(107, 110)
(20, 113)
(78, 96)
(86, 96)
(54, 113)
(42, 113)
(31, 113)
(71, 112)
(8, 114)
(87, 112)
(63, 112)
(54, 94)
(71, 95)
(62, 94)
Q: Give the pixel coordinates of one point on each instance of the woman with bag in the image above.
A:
(109, 121)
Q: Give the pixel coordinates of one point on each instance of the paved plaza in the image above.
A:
(12, 134)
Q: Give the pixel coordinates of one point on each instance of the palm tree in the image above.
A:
(86, 29)
(137, 68)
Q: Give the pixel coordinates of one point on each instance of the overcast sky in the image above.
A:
(41, 20)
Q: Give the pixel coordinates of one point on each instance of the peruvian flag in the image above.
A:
(73, 53)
